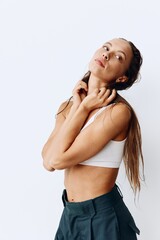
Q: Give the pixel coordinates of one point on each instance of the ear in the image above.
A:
(122, 79)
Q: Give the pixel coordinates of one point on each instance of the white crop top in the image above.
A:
(111, 155)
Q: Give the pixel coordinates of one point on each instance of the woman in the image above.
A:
(93, 132)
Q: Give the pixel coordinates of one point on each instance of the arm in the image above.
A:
(66, 130)
(60, 145)
(93, 138)
(60, 118)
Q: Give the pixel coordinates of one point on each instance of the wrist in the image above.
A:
(84, 108)
(75, 106)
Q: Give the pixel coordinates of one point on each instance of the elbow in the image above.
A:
(52, 163)
(57, 164)
(46, 164)
(48, 167)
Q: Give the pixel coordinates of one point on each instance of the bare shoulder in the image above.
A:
(120, 113)
(121, 109)
(116, 119)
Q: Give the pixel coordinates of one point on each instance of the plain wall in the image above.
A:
(45, 48)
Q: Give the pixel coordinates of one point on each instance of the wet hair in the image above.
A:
(132, 155)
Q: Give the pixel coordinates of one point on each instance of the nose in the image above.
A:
(106, 56)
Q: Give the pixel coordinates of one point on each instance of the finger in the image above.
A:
(77, 89)
(84, 85)
(96, 91)
(107, 93)
(112, 96)
(80, 86)
(102, 91)
(78, 83)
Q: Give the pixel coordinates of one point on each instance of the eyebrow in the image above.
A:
(118, 50)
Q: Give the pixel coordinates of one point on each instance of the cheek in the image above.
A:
(96, 54)
(91, 63)
(118, 69)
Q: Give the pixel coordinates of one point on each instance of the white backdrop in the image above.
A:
(45, 47)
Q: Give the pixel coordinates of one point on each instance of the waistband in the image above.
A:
(91, 206)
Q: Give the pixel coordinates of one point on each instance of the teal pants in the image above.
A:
(103, 218)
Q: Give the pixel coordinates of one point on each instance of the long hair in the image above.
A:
(132, 154)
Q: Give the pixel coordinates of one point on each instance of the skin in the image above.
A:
(67, 145)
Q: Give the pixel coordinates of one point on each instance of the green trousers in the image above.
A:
(103, 218)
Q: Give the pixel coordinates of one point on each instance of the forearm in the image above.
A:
(65, 136)
(71, 127)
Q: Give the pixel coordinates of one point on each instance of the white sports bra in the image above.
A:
(111, 155)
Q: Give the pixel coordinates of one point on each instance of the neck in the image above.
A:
(95, 82)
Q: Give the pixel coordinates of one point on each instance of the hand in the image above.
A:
(79, 92)
(98, 98)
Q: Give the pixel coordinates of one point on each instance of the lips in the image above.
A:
(99, 62)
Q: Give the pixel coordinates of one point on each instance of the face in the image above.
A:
(111, 61)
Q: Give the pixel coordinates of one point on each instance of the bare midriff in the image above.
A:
(84, 182)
